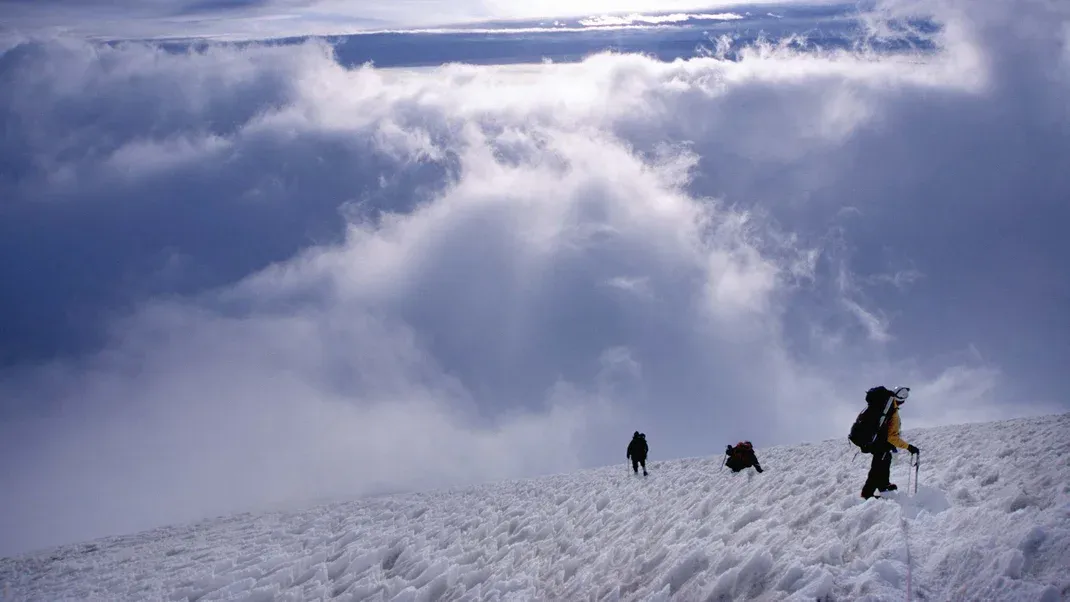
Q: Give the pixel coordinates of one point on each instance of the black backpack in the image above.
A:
(872, 421)
(741, 454)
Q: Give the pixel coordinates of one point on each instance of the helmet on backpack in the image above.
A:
(872, 421)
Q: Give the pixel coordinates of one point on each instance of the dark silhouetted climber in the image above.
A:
(887, 442)
(637, 450)
(741, 456)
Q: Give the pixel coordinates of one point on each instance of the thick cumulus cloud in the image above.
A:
(247, 277)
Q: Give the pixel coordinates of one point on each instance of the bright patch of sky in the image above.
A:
(253, 19)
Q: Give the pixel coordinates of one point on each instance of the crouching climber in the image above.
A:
(741, 456)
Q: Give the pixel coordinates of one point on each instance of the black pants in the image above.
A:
(737, 466)
(880, 470)
(636, 462)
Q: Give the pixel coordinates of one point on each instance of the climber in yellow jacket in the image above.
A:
(881, 467)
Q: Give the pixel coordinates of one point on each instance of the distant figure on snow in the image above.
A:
(741, 456)
(887, 439)
(637, 450)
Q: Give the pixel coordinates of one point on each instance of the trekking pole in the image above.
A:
(917, 463)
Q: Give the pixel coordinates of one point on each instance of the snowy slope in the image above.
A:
(991, 521)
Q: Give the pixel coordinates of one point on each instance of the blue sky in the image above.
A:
(253, 275)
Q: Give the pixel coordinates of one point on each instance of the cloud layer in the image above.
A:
(263, 19)
(251, 276)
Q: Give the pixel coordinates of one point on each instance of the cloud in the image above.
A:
(250, 276)
(656, 19)
(876, 327)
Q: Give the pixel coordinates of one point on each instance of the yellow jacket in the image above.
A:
(893, 428)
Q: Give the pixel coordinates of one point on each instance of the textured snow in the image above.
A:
(990, 521)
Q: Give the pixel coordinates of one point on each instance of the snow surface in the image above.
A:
(990, 521)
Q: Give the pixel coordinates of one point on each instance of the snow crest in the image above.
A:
(990, 521)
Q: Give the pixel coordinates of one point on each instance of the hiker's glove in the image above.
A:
(727, 449)
(912, 449)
